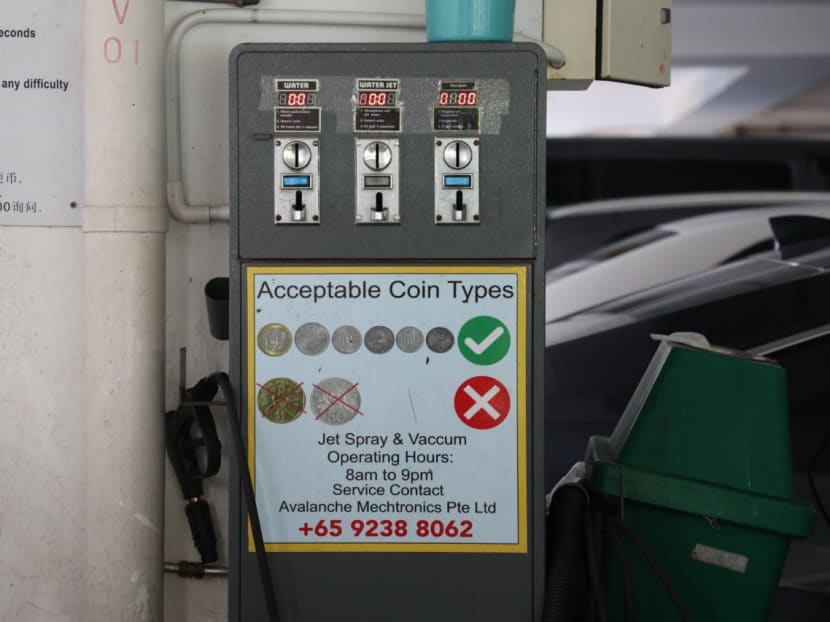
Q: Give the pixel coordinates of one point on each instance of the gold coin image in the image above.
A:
(281, 400)
(274, 339)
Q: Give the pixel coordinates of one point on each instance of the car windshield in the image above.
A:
(609, 251)
(759, 272)
(629, 243)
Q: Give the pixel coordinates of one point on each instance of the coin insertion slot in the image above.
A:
(296, 181)
(458, 181)
(377, 181)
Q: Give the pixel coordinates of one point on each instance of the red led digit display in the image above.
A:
(297, 99)
(457, 98)
(371, 99)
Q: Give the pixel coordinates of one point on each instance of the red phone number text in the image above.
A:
(384, 528)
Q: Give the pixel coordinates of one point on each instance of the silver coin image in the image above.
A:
(409, 339)
(347, 340)
(274, 339)
(311, 338)
(335, 401)
(379, 339)
(440, 340)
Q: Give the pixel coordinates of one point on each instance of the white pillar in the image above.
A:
(124, 224)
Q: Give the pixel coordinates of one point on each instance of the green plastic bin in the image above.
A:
(699, 467)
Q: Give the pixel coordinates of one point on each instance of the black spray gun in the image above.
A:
(196, 454)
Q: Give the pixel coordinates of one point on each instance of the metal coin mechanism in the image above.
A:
(312, 338)
(335, 401)
(281, 400)
(440, 340)
(379, 339)
(409, 339)
(274, 339)
(347, 340)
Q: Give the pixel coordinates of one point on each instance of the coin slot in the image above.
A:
(296, 181)
(377, 181)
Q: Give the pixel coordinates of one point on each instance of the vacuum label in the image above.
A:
(387, 407)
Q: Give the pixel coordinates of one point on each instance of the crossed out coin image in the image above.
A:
(281, 400)
(335, 401)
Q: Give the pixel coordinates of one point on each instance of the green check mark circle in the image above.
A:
(484, 340)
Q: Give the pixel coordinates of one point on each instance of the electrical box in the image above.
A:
(387, 309)
(636, 41)
(615, 40)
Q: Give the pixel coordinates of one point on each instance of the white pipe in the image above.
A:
(176, 199)
(124, 221)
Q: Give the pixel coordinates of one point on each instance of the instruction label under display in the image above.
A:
(387, 407)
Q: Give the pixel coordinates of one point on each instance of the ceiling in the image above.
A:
(745, 67)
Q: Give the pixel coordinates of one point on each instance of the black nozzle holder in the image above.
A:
(217, 292)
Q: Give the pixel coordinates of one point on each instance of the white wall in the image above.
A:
(42, 425)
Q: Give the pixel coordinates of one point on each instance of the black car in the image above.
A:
(594, 360)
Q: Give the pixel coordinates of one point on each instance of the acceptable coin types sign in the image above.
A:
(387, 407)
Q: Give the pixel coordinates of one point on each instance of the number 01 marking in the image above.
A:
(113, 50)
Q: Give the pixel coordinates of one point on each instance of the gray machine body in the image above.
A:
(508, 231)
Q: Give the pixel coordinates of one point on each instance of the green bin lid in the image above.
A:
(706, 432)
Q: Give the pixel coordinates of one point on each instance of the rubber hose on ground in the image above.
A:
(563, 598)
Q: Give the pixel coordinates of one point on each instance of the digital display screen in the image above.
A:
(457, 98)
(375, 98)
(296, 98)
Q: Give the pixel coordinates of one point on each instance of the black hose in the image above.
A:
(563, 600)
(592, 563)
(627, 574)
(811, 479)
(250, 499)
(647, 553)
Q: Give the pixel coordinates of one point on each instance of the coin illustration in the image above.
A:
(409, 339)
(274, 339)
(335, 401)
(379, 339)
(312, 338)
(347, 340)
(281, 400)
(440, 340)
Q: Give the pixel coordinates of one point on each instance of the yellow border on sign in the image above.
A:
(521, 410)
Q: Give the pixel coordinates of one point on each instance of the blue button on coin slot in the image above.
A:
(458, 181)
(296, 181)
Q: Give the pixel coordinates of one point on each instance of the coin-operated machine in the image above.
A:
(387, 221)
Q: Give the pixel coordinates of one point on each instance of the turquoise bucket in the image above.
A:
(470, 20)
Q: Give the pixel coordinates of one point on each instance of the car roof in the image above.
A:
(739, 218)
(715, 200)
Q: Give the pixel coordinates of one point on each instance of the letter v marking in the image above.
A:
(118, 14)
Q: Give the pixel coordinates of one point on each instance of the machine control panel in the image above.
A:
(461, 117)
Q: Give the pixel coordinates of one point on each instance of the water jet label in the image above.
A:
(387, 407)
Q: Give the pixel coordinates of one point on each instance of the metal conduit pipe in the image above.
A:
(176, 200)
